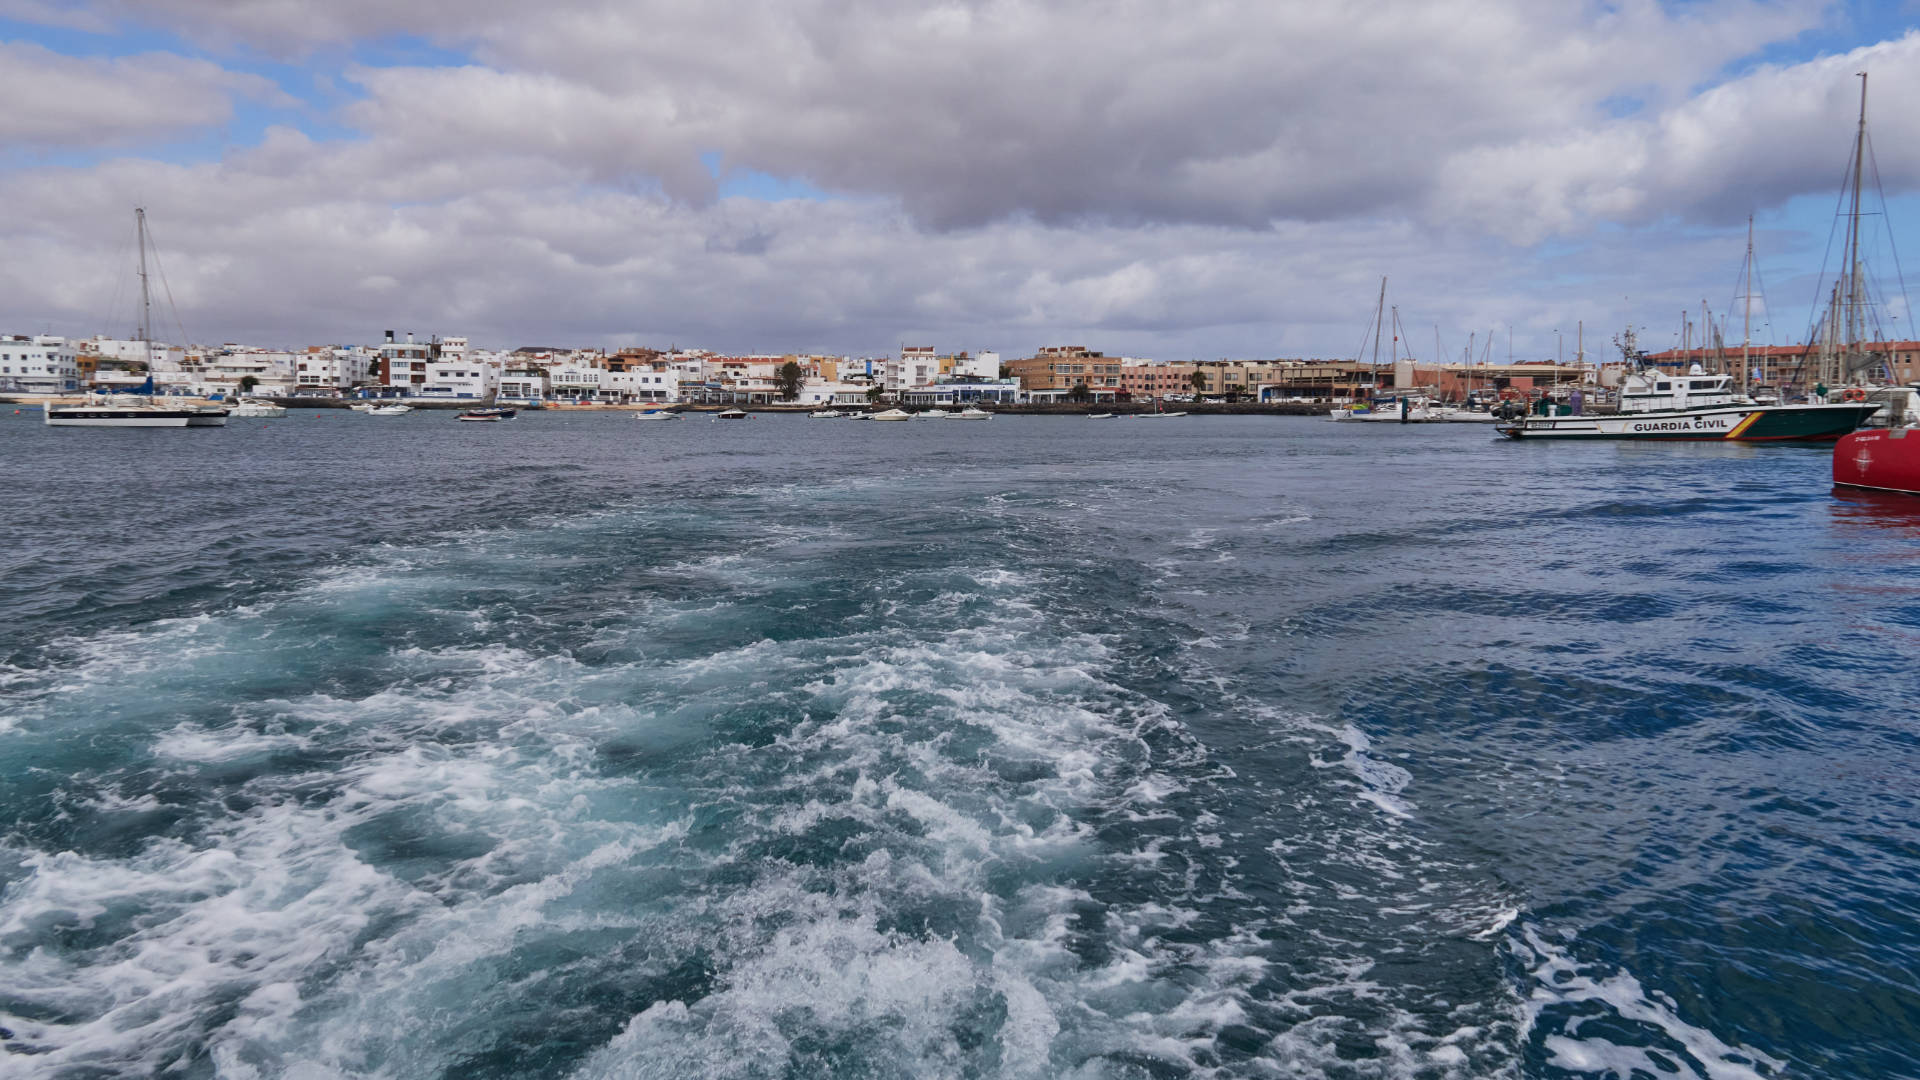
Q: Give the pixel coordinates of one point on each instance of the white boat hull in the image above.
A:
(1733, 423)
(106, 416)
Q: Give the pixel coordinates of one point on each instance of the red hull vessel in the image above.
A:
(1881, 459)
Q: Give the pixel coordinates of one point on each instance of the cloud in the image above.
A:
(1750, 143)
(53, 100)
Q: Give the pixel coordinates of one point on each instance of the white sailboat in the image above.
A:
(137, 408)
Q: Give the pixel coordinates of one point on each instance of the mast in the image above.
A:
(146, 303)
(1746, 319)
(1853, 239)
(1379, 312)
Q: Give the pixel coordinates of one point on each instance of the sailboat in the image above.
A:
(1884, 459)
(135, 408)
(1400, 408)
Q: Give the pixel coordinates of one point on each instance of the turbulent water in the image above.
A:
(1232, 746)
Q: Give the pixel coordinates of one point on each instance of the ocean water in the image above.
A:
(344, 746)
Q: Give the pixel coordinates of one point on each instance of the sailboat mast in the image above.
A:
(1853, 238)
(146, 302)
(1746, 319)
(1379, 313)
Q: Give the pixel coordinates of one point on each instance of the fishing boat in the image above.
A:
(1695, 407)
(482, 414)
(135, 408)
(252, 408)
(892, 414)
(731, 414)
(658, 414)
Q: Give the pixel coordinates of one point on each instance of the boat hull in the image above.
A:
(1879, 460)
(1733, 423)
(105, 416)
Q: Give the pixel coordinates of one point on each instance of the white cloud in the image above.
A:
(1186, 179)
(54, 100)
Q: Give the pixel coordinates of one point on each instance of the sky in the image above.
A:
(1174, 179)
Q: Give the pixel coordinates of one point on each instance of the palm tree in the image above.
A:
(788, 378)
(1199, 381)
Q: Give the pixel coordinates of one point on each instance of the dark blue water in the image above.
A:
(353, 746)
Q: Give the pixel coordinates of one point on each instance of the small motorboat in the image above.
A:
(264, 410)
(1159, 415)
(392, 410)
(971, 413)
(826, 414)
(486, 414)
(731, 414)
(893, 414)
(658, 414)
(1100, 416)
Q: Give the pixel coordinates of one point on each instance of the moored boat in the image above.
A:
(892, 414)
(972, 413)
(658, 414)
(731, 414)
(483, 414)
(1695, 407)
(1879, 459)
(388, 410)
(254, 409)
(826, 414)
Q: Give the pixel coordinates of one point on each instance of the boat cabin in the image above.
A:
(1650, 390)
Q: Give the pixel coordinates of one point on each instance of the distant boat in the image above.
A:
(135, 408)
(826, 414)
(972, 413)
(250, 408)
(893, 414)
(386, 410)
(1159, 415)
(731, 414)
(1100, 416)
(658, 414)
(482, 414)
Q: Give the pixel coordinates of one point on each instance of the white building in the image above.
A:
(651, 384)
(984, 366)
(461, 379)
(272, 374)
(574, 382)
(38, 365)
(328, 370)
(403, 364)
(522, 386)
(917, 365)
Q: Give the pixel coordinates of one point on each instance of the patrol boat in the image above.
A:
(1696, 407)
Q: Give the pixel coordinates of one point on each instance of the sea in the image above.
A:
(1224, 746)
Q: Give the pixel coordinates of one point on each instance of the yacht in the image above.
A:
(893, 414)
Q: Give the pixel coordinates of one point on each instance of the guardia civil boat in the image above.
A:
(1696, 407)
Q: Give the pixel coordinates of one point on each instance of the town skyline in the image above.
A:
(843, 179)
